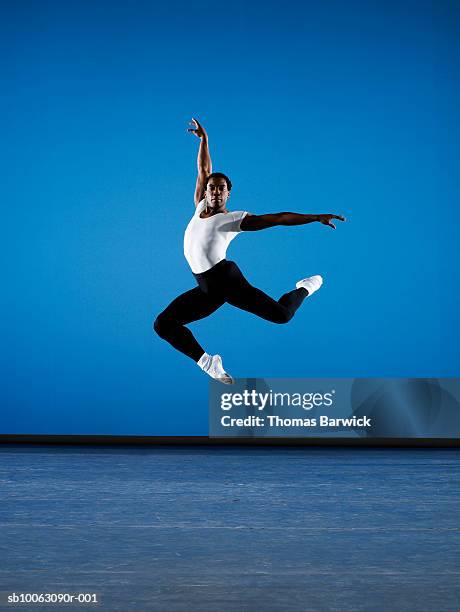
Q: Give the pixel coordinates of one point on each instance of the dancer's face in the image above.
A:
(217, 193)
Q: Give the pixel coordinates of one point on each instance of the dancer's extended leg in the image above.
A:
(243, 295)
(190, 306)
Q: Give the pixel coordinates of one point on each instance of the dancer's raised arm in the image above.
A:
(259, 222)
(203, 161)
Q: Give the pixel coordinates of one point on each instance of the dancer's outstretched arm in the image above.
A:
(251, 223)
(203, 161)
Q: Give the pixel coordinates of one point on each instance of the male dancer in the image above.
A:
(206, 239)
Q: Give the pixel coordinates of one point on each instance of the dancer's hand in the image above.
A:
(326, 219)
(198, 129)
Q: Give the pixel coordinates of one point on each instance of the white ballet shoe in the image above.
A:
(212, 365)
(311, 284)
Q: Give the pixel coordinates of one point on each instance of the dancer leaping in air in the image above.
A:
(206, 239)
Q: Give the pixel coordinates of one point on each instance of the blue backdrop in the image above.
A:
(310, 107)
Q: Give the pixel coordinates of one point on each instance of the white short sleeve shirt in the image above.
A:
(206, 240)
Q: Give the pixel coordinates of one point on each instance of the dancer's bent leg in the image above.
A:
(190, 306)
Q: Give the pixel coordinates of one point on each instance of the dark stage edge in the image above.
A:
(206, 441)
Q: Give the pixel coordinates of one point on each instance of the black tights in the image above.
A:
(224, 282)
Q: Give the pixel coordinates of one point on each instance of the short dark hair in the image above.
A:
(219, 175)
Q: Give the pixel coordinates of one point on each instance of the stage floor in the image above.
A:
(232, 528)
